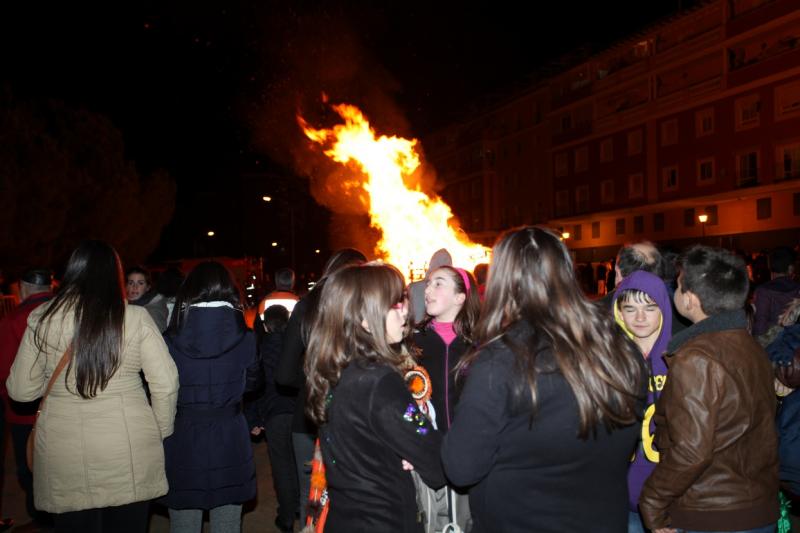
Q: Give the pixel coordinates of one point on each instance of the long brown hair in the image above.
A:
(352, 296)
(467, 316)
(531, 281)
(93, 288)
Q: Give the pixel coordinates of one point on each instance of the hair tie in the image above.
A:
(464, 277)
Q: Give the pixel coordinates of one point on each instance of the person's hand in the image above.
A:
(256, 431)
(407, 466)
(665, 530)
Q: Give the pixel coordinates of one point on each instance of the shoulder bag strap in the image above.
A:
(59, 367)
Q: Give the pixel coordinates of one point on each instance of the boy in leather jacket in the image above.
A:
(715, 431)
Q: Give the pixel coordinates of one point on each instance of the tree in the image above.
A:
(64, 178)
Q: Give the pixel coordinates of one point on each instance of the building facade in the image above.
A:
(697, 115)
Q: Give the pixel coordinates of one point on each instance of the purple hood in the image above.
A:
(646, 455)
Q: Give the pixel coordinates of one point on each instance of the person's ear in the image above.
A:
(692, 301)
(461, 298)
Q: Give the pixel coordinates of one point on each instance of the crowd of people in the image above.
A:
(503, 399)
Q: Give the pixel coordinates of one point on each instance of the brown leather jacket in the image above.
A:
(715, 432)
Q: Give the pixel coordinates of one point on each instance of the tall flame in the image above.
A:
(413, 225)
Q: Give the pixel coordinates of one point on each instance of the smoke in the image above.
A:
(311, 52)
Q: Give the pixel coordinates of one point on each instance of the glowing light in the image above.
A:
(413, 225)
(274, 244)
(565, 235)
(266, 198)
(210, 233)
(316, 251)
(703, 218)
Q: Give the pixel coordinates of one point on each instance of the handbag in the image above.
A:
(32, 437)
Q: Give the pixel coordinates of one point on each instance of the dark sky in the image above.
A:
(189, 83)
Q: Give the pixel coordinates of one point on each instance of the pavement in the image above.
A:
(259, 515)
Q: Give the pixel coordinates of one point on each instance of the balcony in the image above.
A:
(749, 14)
(568, 97)
(581, 129)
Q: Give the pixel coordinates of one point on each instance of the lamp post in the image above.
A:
(703, 219)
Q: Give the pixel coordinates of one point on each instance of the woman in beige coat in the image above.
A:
(98, 456)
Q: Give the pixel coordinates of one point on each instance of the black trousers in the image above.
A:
(278, 430)
(130, 518)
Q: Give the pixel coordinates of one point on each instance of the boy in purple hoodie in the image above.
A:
(642, 309)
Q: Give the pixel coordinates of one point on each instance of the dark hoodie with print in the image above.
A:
(644, 462)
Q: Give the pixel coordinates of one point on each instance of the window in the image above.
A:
(669, 178)
(713, 217)
(747, 168)
(704, 122)
(705, 171)
(787, 161)
(582, 199)
(607, 150)
(688, 217)
(561, 165)
(669, 132)
(620, 223)
(635, 186)
(638, 224)
(566, 122)
(748, 112)
(577, 233)
(596, 225)
(658, 221)
(582, 159)
(476, 188)
(763, 208)
(562, 203)
(477, 218)
(787, 100)
(607, 191)
(635, 142)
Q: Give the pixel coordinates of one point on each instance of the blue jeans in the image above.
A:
(635, 523)
(223, 519)
(766, 529)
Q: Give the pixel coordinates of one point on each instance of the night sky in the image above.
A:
(206, 89)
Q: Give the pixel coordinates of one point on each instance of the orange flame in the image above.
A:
(413, 225)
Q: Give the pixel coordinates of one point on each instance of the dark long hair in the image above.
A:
(350, 297)
(337, 261)
(209, 281)
(94, 289)
(467, 316)
(531, 281)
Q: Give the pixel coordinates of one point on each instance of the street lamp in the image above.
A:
(703, 219)
(210, 233)
(274, 244)
(267, 198)
(564, 235)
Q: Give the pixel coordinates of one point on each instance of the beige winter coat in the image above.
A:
(105, 451)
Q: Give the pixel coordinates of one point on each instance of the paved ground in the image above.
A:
(259, 516)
